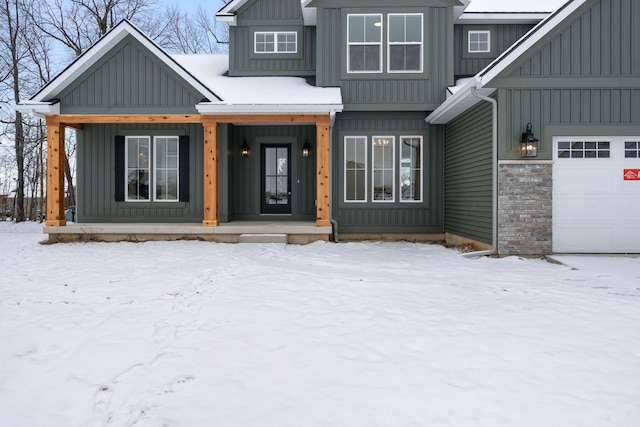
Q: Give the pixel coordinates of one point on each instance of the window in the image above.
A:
(632, 149)
(364, 43)
(405, 43)
(584, 149)
(410, 168)
(146, 178)
(479, 41)
(383, 168)
(355, 169)
(276, 42)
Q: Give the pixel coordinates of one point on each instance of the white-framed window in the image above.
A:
(383, 170)
(152, 170)
(364, 43)
(405, 40)
(411, 168)
(581, 149)
(275, 42)
(355, 168)
(479, 41)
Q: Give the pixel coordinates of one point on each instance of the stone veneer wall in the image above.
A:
(525, 207)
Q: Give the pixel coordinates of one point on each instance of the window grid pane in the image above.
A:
(584, 149)
(479, 42)
(166, 168)
(411, 169)
(276, 42)
(364, 44)
(138, 168)
(355, 148)
(632, 149)
(405, 43)
(383, 169)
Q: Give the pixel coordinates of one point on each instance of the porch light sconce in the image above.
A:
(528, 143)
(244, 150)
(306, 148)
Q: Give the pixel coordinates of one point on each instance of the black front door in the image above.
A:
(276, 179)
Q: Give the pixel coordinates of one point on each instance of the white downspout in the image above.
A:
(494, 236)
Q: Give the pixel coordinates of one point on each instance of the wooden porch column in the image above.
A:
(210, 173)
(55, 173)
(323, 182)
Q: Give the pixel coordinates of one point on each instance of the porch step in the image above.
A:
(263, 238)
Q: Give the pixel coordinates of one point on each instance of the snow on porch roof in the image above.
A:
(257, 94)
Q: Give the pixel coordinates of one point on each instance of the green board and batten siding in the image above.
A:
(584, 78)
(245, 180)
(129, 80)
(468, 175)
(505, 35)
(271, 15)
(396, 217)
(387, 91)
(96, 168)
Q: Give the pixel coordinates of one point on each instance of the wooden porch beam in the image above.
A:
(79, 119)
(269, 118)
(323, 182)
(210, 174)
(55, 173)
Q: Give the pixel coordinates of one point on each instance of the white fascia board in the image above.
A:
(232, 20)
(512, 54)
(502, 18)
(97, 51)
(38, 109)
(232, 7)
(205, 108)
(309, 14)
(457, 104)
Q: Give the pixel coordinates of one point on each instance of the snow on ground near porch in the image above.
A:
(351, 334)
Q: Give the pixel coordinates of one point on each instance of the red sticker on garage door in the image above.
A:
(632, 174)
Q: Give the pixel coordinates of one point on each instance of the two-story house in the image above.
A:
(361, 119)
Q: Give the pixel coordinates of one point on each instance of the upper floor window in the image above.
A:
(152, 169)
(275, 42)
(405, 42)
(479, 41)
(364, 43)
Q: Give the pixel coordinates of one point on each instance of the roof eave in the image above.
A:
(38, 109)
(220, 108)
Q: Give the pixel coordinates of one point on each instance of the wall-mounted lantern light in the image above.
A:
(306, 148)
(528, 143)
(244, 150)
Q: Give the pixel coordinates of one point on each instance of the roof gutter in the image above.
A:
(494, 192)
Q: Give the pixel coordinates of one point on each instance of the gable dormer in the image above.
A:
(270, 38)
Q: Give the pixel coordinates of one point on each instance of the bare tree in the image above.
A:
(13, 54)
(192, 34)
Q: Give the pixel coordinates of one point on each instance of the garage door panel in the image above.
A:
(594, 208)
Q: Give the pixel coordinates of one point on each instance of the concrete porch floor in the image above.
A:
(294, 232)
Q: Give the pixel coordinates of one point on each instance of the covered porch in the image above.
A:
(212, 226)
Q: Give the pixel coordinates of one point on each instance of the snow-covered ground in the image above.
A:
(353, 334)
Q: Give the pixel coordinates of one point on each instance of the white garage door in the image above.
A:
(596, 195)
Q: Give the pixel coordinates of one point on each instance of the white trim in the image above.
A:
(383, 169)
(154, 168)
(262, 109)
(126, 168)
(98, 50)
(421, 166)
(479, 42)
(38, 109)
(501, 18)
(366, 167)
(275, 42)
(421, 43)
(365, 43)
